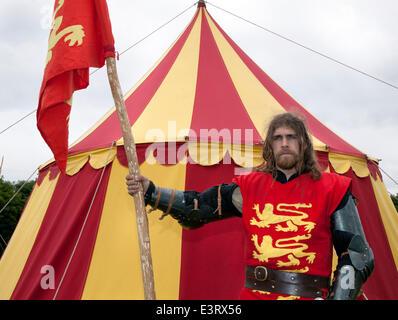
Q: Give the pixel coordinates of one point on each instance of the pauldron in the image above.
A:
(191, 208)
(356, 260)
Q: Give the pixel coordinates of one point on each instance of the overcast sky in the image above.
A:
(359, 33)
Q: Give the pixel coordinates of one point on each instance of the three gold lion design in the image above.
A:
(290, 247)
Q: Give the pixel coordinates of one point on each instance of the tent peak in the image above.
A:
(201, 3)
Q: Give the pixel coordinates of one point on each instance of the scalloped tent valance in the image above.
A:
(207, 154)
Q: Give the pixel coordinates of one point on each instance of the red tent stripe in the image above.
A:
(216, 95)
(212, 255)
(335, 143)
(58, 234)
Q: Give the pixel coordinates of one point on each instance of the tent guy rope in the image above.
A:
(1, 164)
(151, 33)
(85, 220)
(248, 21)
(13, 196)
(124, 51)
(20, 188)
(305, 47)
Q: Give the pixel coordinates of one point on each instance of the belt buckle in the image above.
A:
(259, 270)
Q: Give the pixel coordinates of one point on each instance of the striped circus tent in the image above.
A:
(198, 119)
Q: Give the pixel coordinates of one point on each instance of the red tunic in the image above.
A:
(288, 225)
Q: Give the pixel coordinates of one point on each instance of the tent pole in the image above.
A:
(129, 147)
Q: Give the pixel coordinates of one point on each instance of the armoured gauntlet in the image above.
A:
(356, 260)
(192, 209)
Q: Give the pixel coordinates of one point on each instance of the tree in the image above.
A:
(395, 200)
(10, 215)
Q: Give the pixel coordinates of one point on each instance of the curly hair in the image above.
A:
(307, 162)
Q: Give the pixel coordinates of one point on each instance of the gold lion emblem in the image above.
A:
(267, 217)
(74, 34)
(289, 246)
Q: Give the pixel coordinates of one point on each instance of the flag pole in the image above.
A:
(134, 170)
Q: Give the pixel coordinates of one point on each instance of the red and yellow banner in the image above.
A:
(81, 37)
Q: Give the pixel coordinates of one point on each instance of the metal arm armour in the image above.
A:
(193, 209)
(356, 260)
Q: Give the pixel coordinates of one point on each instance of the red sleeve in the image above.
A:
(243, 180)
(238, 180)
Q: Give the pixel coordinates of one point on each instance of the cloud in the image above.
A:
(359, 33)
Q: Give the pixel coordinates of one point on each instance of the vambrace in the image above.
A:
(193, 209)
(355, 257)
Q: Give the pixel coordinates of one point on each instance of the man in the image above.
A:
(293, 215)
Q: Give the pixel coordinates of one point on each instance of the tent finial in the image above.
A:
(201, 3)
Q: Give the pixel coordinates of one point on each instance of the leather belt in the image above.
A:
(284, 282)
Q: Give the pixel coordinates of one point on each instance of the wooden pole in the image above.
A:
(131, 153)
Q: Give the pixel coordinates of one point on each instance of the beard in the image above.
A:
(286, 161)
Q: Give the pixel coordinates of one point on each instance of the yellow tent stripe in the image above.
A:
(164, 112)
(14, 258)
(115, 269)
(388, 215)
(166, 234)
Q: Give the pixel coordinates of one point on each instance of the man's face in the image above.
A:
(285, 146)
